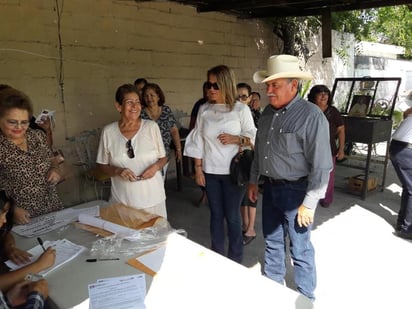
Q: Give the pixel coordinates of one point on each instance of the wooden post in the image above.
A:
(326, 34)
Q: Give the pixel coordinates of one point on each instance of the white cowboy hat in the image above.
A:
(281, 66)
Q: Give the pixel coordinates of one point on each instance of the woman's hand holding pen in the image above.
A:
(47, 258)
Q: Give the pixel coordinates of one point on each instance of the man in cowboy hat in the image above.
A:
(292, 155)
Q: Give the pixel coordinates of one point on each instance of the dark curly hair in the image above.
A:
(123, 90)
(318, 89)
(156, 88)
(12, 98)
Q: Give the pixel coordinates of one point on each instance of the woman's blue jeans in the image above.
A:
(224, 199)
(280, 205)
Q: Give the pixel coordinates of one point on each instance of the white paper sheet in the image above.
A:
(153, 259)
(126, 292)
(52, 221)
(107, 226)
(65, 252)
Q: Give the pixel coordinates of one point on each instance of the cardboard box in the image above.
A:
(356, 183)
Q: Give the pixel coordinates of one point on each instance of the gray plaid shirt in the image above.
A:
(291, 143)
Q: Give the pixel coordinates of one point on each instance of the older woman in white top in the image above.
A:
(131, 152)
(222, 125)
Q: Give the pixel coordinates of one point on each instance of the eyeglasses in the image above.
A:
(130, 151)
(15, 123)
(243, 97)
(131, 102)
(210, 85)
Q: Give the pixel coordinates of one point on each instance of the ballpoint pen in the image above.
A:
(41, 243)
(95, 260)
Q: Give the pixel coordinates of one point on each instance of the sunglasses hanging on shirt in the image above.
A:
(130, 151)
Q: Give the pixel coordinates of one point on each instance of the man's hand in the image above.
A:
(305, 216)
(40, 287)
(17, 295)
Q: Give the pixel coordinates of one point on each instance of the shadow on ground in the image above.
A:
(185, 213)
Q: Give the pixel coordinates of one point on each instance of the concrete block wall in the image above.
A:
(109, 42)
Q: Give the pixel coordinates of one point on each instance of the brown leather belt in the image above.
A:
(278, 182)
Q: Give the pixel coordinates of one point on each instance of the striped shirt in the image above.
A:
(34, 301)
(291, 143)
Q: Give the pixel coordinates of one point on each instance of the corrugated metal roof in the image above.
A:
(276, 8)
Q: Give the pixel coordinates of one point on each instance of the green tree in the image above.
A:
(388, 25)
(295, 32)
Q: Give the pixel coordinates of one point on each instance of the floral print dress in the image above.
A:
(165, 122)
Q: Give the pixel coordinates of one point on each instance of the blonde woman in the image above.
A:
(223, 124)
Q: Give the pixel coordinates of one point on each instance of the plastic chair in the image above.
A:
(85, 148)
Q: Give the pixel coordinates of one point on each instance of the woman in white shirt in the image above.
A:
(222, 125)
(131, 152)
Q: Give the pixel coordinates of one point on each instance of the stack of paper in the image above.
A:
(65, 252)
(126, 292)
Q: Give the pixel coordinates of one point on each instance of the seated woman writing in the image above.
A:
(29, 172)
(14, 291)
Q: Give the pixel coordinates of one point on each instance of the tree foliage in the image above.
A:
(388, 25)
(295, 32)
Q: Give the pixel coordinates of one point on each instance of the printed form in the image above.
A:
(126, 292)
(52, 221)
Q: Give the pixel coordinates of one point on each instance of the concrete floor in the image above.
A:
(360, 263)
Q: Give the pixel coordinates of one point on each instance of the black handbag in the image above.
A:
(240, 167)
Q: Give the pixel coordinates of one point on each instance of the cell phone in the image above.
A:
(45, 113)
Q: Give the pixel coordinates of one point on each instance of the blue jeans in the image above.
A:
(280, 205)
(401, 157)
(224, 198)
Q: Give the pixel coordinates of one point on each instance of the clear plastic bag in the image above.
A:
(142, 240)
